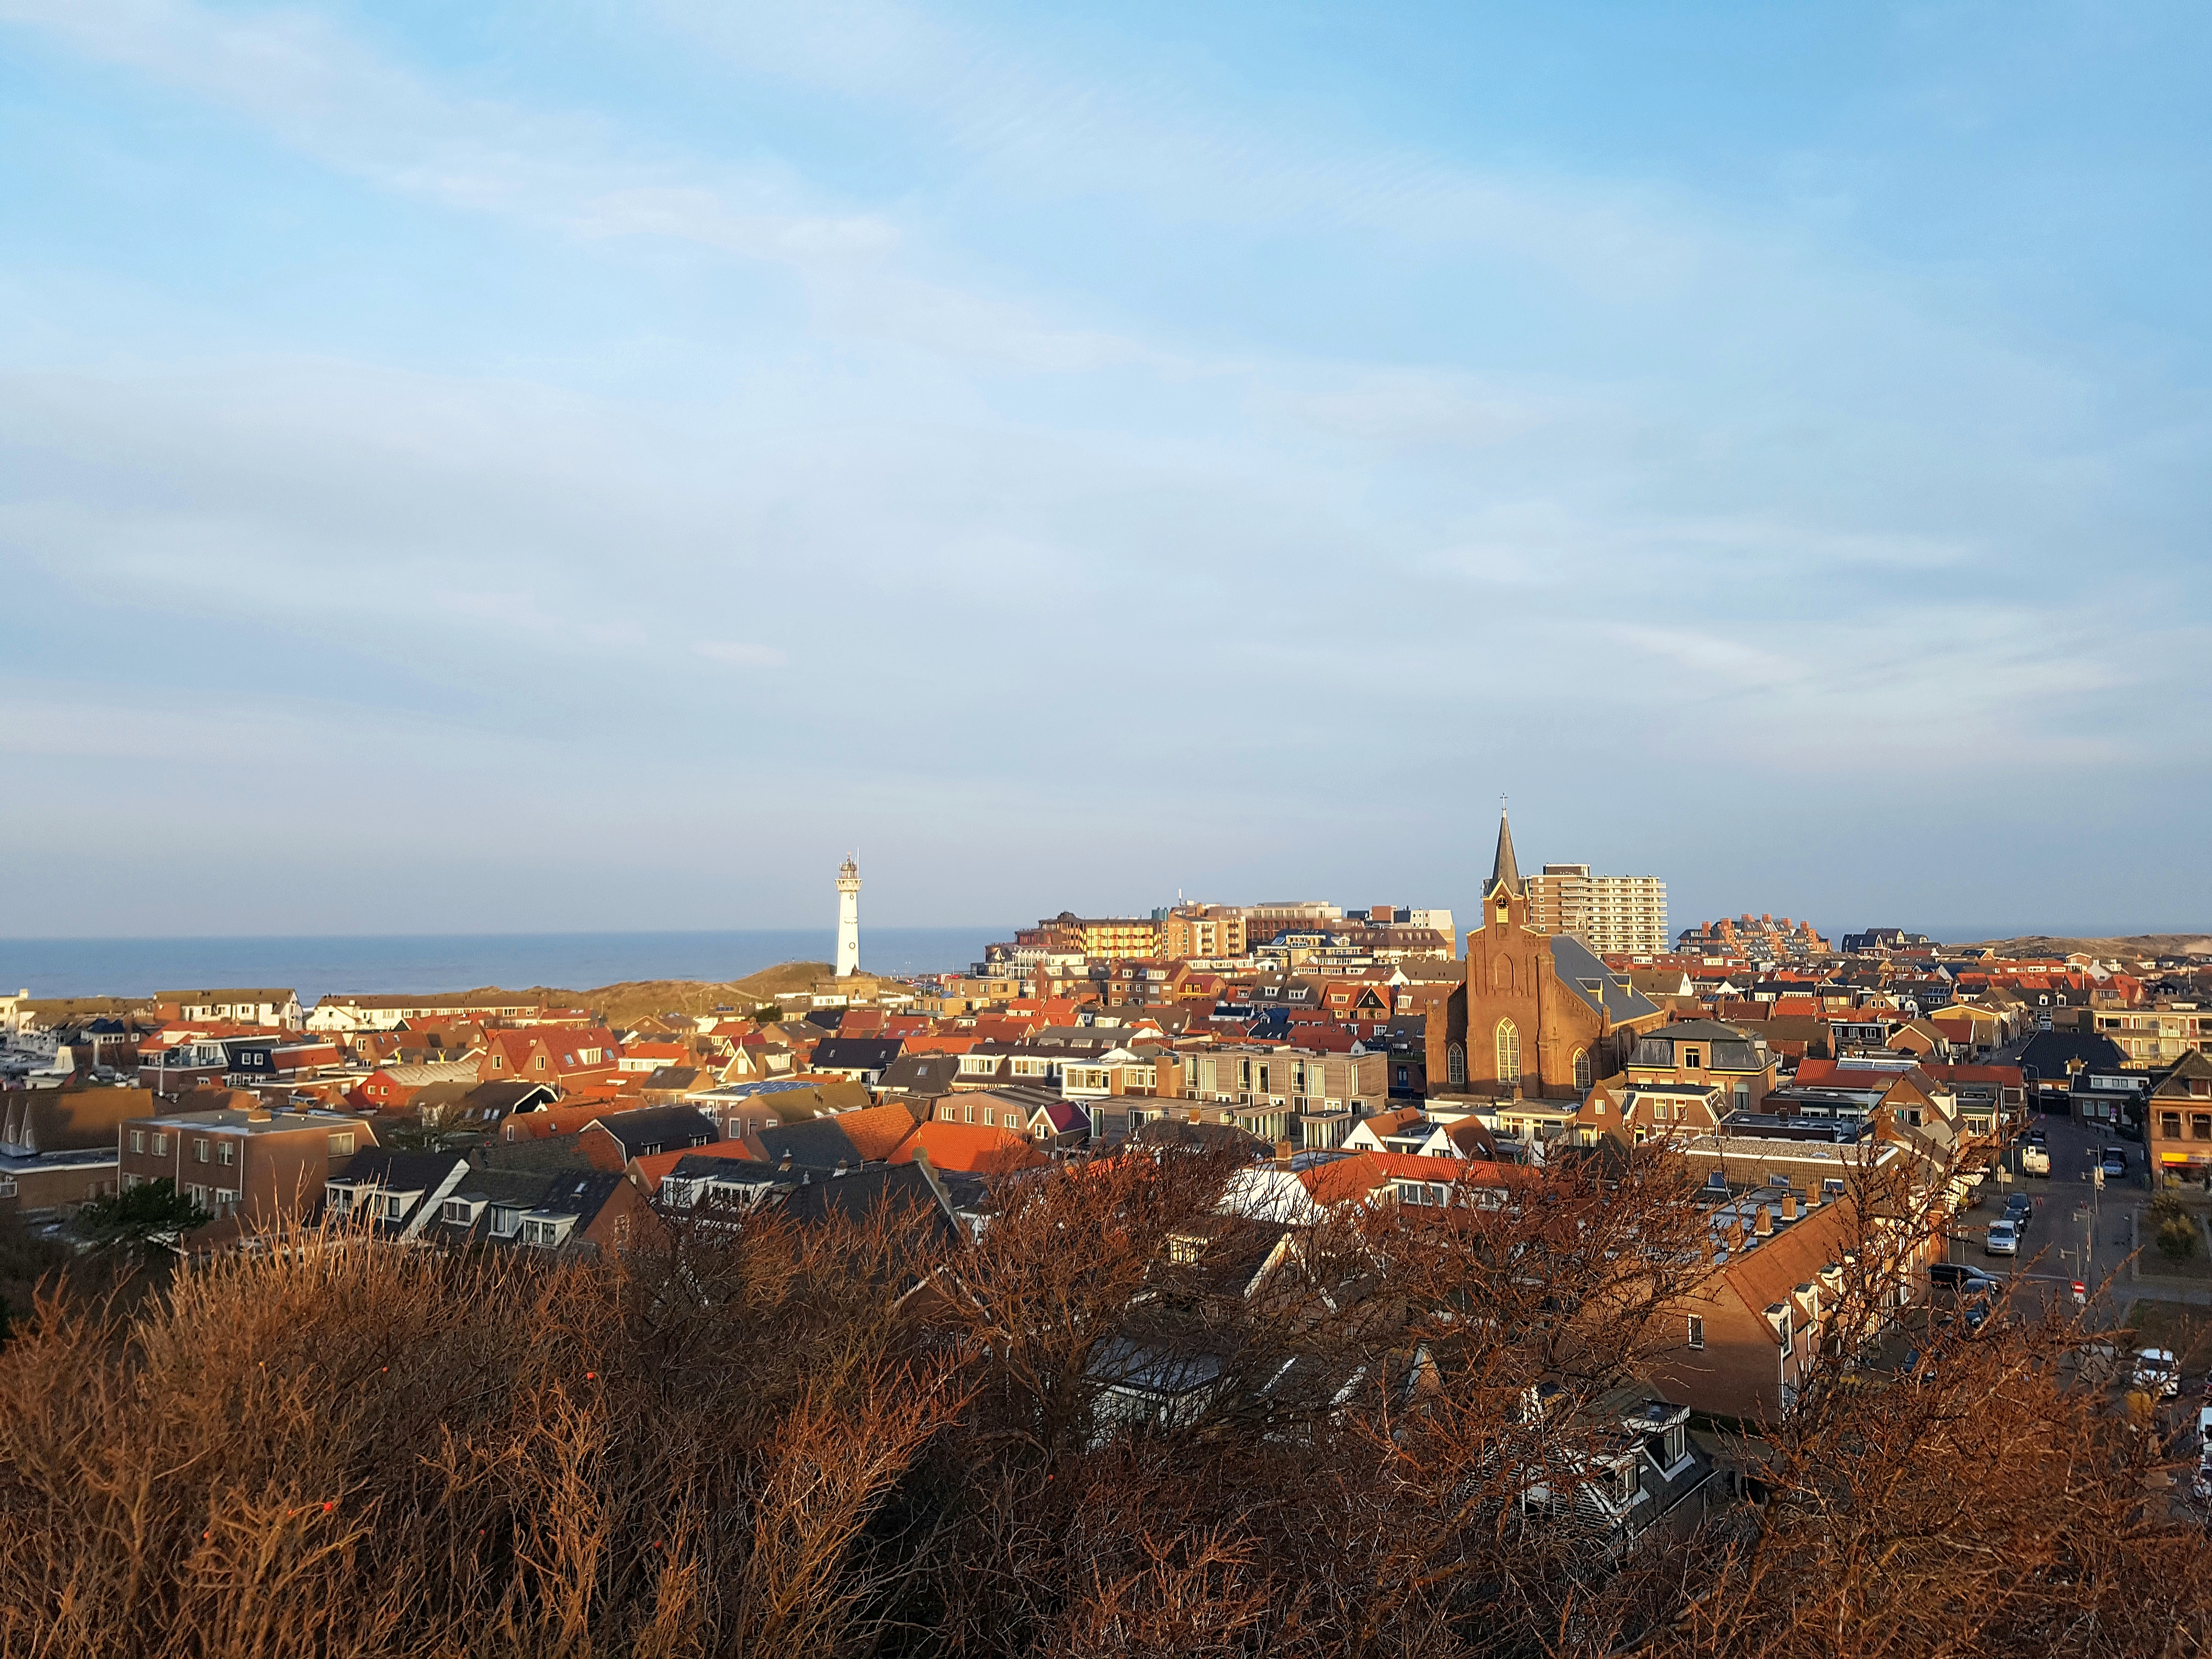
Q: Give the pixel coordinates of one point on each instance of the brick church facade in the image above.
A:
(1539, 1015)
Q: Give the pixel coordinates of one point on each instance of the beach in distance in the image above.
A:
(368, 963)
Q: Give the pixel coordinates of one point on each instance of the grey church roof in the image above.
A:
(1605, 991)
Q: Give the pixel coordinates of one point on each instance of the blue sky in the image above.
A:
(587, 465)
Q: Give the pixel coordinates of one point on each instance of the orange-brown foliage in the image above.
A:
(751, 1438)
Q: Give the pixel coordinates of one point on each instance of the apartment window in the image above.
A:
(459, 1211)
(540, 1062)
(2200, 1127)
(160, 1146)
(1697, 1332)
(199, 1151)
(138, 1139)
(1692, 1058)
(395, 1206)
(226, 1153)
(2169, 1125)
(341, 1144)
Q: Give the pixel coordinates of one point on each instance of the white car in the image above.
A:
(2158, 1372)
(2003, 1239)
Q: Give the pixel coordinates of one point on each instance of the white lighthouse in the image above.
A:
(849, 918)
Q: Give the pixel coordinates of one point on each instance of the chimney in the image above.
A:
(1762, 1222)
(1735, 1232)
(1789, 1206)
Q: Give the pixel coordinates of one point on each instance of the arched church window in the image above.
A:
(1581, 1068)
(1509, 1053)
(1455, 1064)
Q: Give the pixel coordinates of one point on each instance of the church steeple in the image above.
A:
(1504, 874)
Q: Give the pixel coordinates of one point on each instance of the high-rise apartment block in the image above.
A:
(1206, 932)
(1607, 913)
(1094, 936)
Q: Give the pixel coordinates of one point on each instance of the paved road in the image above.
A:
(2062, 1242)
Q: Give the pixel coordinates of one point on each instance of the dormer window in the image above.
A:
(546, 1232)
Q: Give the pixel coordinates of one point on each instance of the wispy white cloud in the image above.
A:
(1628, 464)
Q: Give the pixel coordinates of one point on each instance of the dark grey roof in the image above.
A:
(843, 1054)
(671, 1078)
(2047, 1052)
(553, 1152)
(814, 1143)
(493, 1101)
(920, 1074)
(1729, 1049)
(1595, 983)
(507, 1186)
(404, 1171)
(1139, 1368)
(855, 1197)
(1701, 1030)
(662, 1128)
(581, 1193)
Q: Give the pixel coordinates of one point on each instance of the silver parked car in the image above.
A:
(2158, 1372)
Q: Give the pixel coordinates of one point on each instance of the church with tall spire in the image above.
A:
(1539, 1016)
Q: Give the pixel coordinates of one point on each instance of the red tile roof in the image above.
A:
(971, 1147)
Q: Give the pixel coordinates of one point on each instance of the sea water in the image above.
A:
(316, 967)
